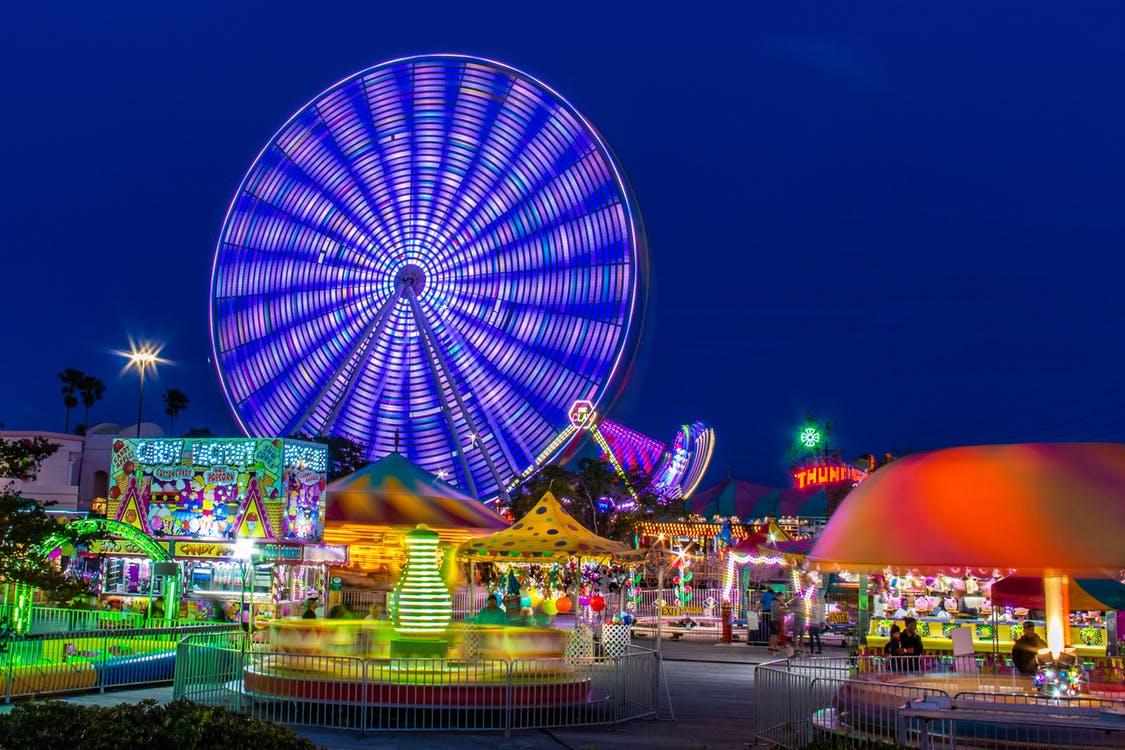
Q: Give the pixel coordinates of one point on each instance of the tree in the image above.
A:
(71, 382)
(345, 456)
(25, 524)
(91, 389)
(598, 498)
(174, 402)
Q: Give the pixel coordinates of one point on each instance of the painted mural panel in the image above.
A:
(217, 489)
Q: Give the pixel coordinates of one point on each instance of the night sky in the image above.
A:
(906, 218)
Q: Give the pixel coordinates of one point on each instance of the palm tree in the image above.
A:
(174, 403)
(91, 389)
(72, 381)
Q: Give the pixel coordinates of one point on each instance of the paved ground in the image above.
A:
(711, 690)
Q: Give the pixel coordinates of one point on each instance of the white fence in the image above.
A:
(337, 692)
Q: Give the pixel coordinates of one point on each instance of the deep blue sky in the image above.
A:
(907, 218)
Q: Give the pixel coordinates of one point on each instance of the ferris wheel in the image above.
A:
(437, 255)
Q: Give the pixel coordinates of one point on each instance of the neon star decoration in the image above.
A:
(435, 248)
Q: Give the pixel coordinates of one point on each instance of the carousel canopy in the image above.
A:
(1030, 508)
(545, 533)
(394, 492)
(732, 497)
(1099, 594)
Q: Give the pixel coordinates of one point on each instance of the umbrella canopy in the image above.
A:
(1031, 508)
(394, 492)
(1085, 593)
(545, 533)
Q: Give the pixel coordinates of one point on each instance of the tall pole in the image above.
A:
(141, 398)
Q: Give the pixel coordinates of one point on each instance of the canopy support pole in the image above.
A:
(1056, 595)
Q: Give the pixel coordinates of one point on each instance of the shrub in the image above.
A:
(55, 725)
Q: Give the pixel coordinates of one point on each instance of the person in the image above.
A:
(816, 625)
(491, 614)
(911, 643)
(378, 611)
(1025, 650)
(310, 609)
(339, 612)
(778, 612)
(156, 609)
(766, 605)
(894, 648)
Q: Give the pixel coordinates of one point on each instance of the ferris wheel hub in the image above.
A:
(411, 276)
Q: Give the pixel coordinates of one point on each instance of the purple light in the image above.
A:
(438, 251)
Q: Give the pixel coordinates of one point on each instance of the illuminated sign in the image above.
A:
(115, 547)
(217, 489)
(581, 412)
(203, 549)
(821, 473)
(810, 436)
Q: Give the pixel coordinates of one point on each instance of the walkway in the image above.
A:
(712, 694)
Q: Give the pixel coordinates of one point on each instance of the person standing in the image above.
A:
(816, 625)
(310, 609)
(1025, 651)
(911, 643)
(765, 603)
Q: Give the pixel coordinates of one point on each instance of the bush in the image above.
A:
(183, 725)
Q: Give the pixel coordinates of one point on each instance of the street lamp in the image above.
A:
(244, 553)
(141, 358)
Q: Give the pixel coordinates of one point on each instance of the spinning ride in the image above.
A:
(438, 254)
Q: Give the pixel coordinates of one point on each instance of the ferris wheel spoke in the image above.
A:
(439, 357)
(346, 118)
(354, 362)
(554, 188)
(528, 374)
(285, 187)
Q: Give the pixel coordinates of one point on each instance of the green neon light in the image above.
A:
(810, 436)
(147, 544)
(425, 606)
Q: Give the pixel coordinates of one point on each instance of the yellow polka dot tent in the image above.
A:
(546, 533)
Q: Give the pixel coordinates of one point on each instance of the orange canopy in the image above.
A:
(1028, 508)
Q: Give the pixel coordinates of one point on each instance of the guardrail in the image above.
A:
(364, 695)
(38, 664)
(864, 697)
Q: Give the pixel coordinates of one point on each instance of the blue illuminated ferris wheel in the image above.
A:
(437, 255)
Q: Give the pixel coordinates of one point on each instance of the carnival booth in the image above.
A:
(371, 510)
(1054, 512)
(555, 546)
(242, 518)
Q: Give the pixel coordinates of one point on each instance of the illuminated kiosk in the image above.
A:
(1055, 511)
(404, 662)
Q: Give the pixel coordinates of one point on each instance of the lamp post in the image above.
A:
(244, 553)
(144, 357)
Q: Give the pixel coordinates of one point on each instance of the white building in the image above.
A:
(78, 471)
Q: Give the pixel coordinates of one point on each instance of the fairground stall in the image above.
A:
(242, 519)
(370, 512)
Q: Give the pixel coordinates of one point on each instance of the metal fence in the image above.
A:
(862, 697)
(62, 620)
(350, 693)
(38, 664)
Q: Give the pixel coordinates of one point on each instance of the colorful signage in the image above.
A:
(825, 472)
(219, 489)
